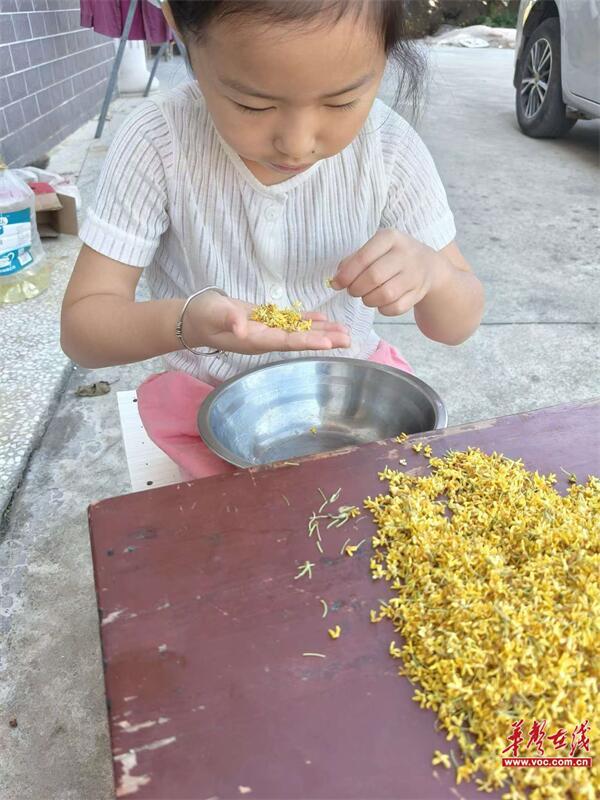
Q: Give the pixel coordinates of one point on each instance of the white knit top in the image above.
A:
(175, 198)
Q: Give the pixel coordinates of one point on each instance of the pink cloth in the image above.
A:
(168, 404)
(108, 17)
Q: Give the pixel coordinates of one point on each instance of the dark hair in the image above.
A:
(389, 18)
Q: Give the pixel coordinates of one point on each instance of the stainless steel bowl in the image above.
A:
(267, 413)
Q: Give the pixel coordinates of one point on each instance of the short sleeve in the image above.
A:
(130, 211)
(416, 202)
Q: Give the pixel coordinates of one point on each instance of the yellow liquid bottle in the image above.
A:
(23, 272)
(27, 285)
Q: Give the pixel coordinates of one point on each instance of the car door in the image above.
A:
(580, 34)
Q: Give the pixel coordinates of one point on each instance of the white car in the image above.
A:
(557, 65)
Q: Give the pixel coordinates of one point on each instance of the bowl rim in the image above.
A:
(440, 412)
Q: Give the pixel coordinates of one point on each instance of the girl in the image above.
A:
(274, 170)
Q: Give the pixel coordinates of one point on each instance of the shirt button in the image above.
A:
(276, 292)
(271, 213)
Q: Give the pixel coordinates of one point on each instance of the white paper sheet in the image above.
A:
(148, 466)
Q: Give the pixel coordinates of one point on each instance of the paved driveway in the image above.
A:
(527, 215)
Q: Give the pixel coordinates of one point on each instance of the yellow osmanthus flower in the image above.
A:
(494, 591)
(350, 549)
(288, 319)
(335, 632)
(351, 511)
(441, 758)
(395, 651)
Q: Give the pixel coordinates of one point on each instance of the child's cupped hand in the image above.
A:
(391, 272)
(224, 323)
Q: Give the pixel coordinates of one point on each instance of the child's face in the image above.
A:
(307, 109)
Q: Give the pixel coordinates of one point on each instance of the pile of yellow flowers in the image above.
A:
(497, 600)
(288, 319)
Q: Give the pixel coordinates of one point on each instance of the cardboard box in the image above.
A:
(55, 213)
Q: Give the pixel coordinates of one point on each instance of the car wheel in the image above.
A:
(540, 109)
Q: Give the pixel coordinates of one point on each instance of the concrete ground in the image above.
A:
(527, 214)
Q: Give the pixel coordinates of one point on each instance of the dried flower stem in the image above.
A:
(305, 569)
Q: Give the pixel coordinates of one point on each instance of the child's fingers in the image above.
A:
(376, 276)
(354, 265)
(402, 305)
(315, 340)
(264, 339)
(329, 326)
(391, 293)
(268, 340)
(314, 315)
(322, 328)
(241, 334)
(321, 323)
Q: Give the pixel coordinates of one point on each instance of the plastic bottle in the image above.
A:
(23, 272)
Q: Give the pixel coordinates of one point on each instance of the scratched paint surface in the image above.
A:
(203, 627)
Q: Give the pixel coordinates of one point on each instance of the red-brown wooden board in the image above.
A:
(203, 627)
